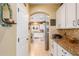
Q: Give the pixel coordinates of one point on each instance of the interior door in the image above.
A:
(22, 31)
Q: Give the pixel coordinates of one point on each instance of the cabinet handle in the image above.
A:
(65, 53)
(78, 22)
(18, 40)
(74, 23)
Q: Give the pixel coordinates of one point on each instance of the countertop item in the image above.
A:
(57, 36)
(71, 47)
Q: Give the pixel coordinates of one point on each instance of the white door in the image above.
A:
(22, 28)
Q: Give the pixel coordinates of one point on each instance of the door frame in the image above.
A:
(45, 22)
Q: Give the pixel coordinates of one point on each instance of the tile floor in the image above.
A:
(37, 49)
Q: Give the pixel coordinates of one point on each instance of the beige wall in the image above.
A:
(50, 9)
(8, 37)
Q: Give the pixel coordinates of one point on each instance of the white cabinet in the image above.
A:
(63, 52)
(71, 15)
(58, 24)
(55, 49)
(59, 51)
(77, 11)
(50, 47)
(67, 16)
(60, 17)
(77, 15)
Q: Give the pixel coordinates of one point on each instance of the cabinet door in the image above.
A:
(70, 15)
(63, 52)
(66, 53)
(59, 51)
(78, 15)
(62, 16)
(58, 24)
(55, 51)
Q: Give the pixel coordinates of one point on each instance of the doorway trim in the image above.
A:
(30, 23)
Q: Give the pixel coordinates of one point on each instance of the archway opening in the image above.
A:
(39, 33)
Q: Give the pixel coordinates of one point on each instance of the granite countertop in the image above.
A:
(72, 48)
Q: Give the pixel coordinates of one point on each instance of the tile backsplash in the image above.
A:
(70, 32)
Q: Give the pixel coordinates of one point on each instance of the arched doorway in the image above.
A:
(39, 27)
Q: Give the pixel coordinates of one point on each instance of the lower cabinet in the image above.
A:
(59, 51)
(63, 52)
(55, 51)
(50, 47)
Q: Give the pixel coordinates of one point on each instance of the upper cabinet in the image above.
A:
(68, 16)
(60, 17)
(58, 24)
(77, 15)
